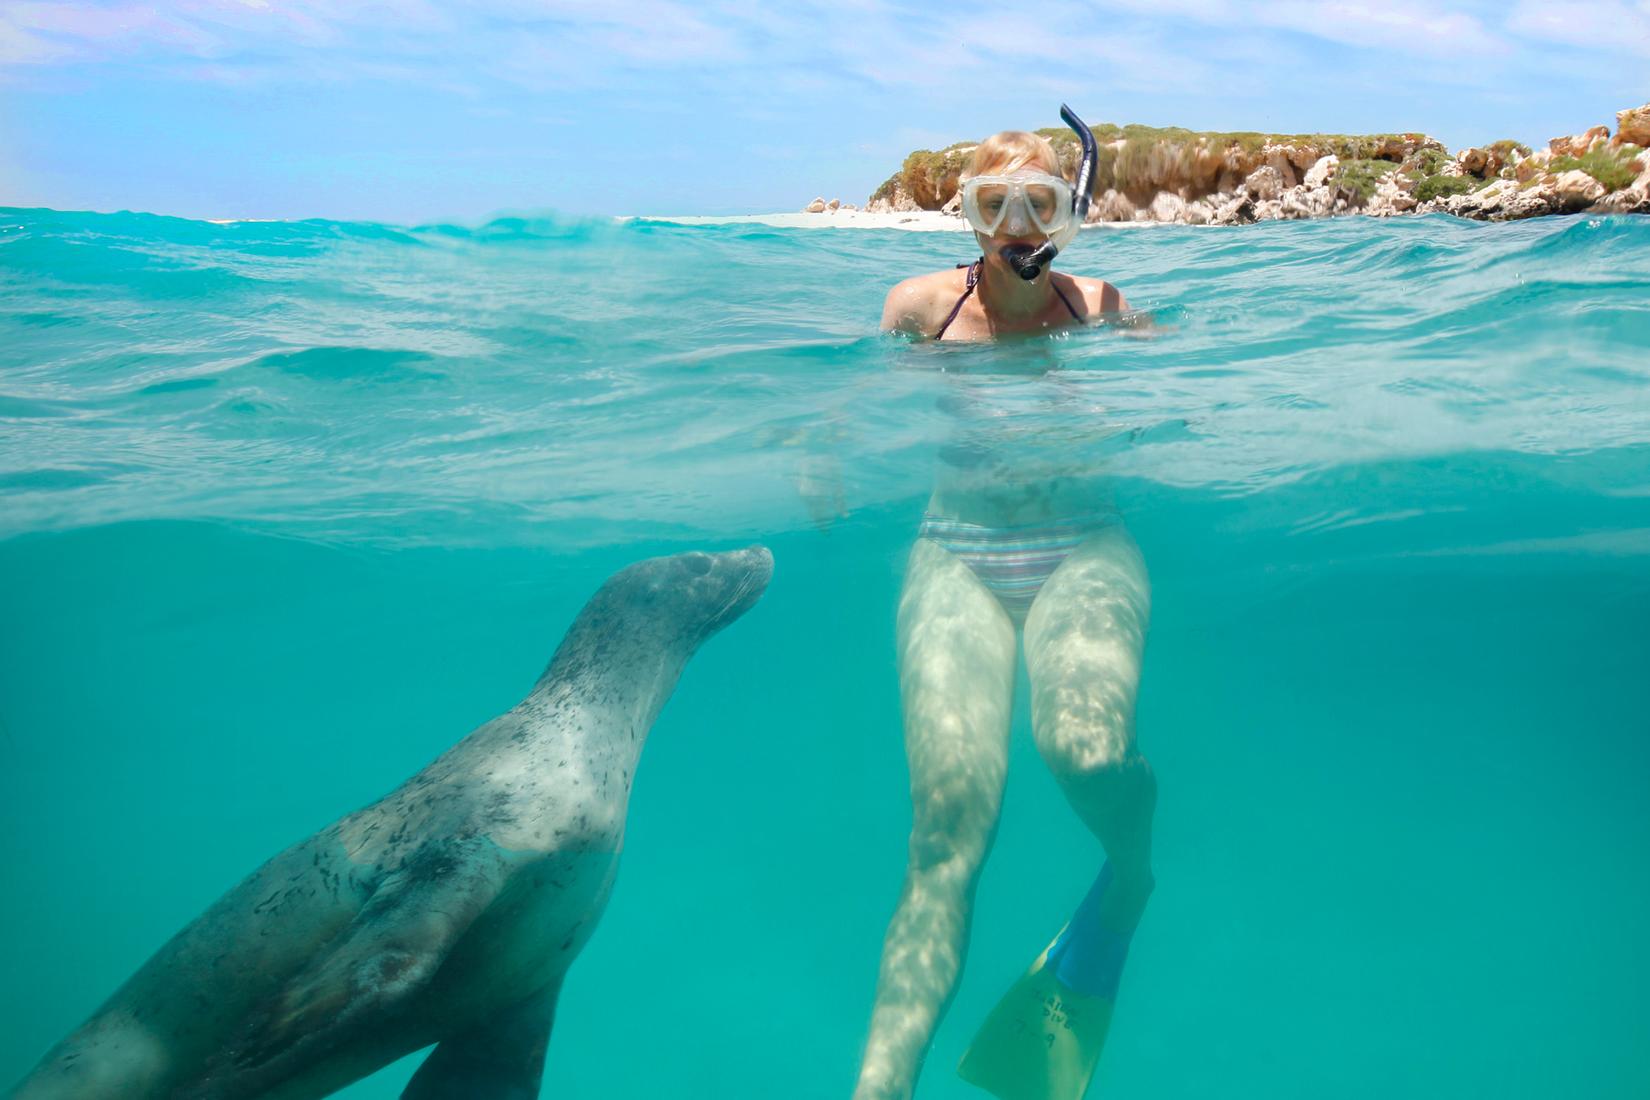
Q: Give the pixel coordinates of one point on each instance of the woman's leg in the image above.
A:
(1084, 636)
(956, 658)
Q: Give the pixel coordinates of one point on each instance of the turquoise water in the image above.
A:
(288, 508)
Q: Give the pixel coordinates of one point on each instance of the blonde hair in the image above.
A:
(1011, 150)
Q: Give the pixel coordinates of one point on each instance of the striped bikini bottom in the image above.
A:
(1013, 562)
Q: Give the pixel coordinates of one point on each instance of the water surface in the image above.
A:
(287, 508)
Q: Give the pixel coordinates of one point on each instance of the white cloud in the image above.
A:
(1590, 24)
(18, 46)
(64, 32)
(644, 31)
(1393, 26)
(967, 50)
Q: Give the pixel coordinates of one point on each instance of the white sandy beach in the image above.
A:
(921, 221)
(917, 221)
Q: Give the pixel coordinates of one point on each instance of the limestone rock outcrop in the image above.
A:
(1111, 205)
(1533, 166)
(1322, 171)
(1491, 160)
(1629, 200)
(1238, 210)
(1167, 207)
(1265, 183)
(1580, 144)
(896, 201)
(1500, 200)
(1577, 190)
(1394, 194)
(1167, 175)
(1632, 127)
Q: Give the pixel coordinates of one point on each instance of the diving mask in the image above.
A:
(1023, 203)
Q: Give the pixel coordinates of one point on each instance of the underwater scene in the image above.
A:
(287, 509)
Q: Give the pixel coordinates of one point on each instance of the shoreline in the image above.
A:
(914, 221)
(909, 221)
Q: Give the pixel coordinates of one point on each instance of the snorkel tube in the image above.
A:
(1028, 262)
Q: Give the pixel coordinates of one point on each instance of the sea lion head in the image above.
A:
(701, 592)
(680, 600)
(627, 647)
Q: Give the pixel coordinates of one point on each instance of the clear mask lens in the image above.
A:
(1044, 204)
(1017, 204)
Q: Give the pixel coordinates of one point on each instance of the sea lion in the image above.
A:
(446, 913)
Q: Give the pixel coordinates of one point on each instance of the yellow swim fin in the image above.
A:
(1044, 1038)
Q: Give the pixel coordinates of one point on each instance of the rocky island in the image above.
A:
(1152, 174)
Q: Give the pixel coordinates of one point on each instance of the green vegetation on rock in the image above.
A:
(1426, 163)
(1437, 186)
(1345, 146)
(1362, 176)
(930, 178)
(1611, 167)
(1506, 147)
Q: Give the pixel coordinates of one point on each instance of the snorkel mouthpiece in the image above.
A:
(1028, 262)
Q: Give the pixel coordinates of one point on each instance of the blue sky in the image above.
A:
(414, 110)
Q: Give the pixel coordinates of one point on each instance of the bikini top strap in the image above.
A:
(1069, 307)
(973, 281)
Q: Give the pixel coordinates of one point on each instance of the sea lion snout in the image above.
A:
(681, 599)
(742, 574)
(757, 559)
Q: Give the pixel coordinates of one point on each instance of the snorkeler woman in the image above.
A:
(1022, 213)
(1014, 546)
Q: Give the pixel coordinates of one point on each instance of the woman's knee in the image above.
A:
(953, 823)
(1085, 728)
(1114, 775)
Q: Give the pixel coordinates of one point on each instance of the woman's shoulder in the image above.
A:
(919, 304)
(1098, 295)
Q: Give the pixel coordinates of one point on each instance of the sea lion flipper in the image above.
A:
(501, 1059)
(377, 967)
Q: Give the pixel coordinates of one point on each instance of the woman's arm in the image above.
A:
(1099, 296)
(1102, 300)
(909, 307)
